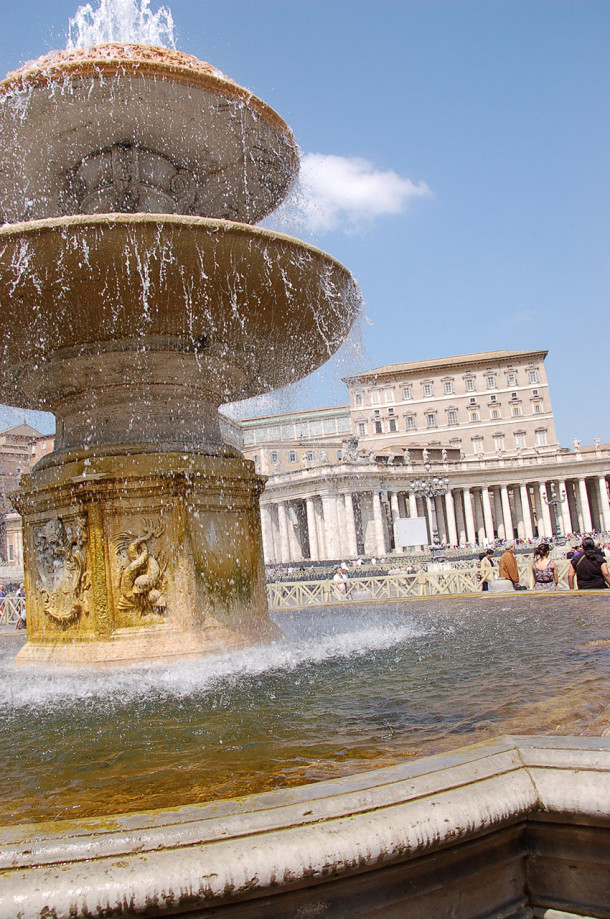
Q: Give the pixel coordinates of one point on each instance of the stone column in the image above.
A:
(604, 505)
(412, 505)
(395, 516)
(564, 508)
(469, 517)
(584, 505)
(331, 525)
(506, 512)
(487, 514)
(267, 531)
(451, 522)
(527, 514)
(546, 511)
(350, 526)
(459, 518)
(378, 518)
(292, 520)
(284, 554)
(314, 550)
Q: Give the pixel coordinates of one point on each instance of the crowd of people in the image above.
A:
(588, 568)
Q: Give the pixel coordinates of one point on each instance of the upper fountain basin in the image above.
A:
(134, 128)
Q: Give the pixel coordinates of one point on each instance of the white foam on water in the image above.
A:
(194, 676)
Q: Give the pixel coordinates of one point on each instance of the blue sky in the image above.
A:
(460, 152)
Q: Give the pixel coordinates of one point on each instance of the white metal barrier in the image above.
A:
(447, 579)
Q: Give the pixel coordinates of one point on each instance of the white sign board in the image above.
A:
(411, 531)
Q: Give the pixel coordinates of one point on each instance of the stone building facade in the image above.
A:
(338, 479)
(21, 446)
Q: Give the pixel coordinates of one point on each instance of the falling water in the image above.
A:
(121, 21)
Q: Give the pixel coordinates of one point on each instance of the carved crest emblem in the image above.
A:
(61, 564)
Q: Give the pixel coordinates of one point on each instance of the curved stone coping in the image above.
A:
(163, 863)
(215, 292)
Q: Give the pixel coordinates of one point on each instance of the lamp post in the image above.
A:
(431, 488)
(554, 501)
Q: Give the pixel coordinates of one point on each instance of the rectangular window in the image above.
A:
(358, 398)
(389, 395)
(275, 456)
(287, 432)
(392, 424)
(292, 456)
(516, 411)
(448, 387)
(491, 381)
(452, 416)
(301, 429)
(343, 424)
(541, 439)
(378, 428)
(520, 441)
(410, 422)
(532, 376)
(11, 553)
(511, 379)
(274, 432)
(427, 390)
(324, 456)
(477, 445)
(315, 428)
(390, 411)
(329, 425)
(493, 398)
(375, 397)
(309, 456)
(470, 384)
(361, 430)
(407, 392)
(249, 437)
(499, 442)
(496, 413)
(431, 419)
(537, 408)
(473, 415)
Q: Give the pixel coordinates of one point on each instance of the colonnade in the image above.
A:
(343, 522)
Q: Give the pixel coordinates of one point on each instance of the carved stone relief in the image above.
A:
(61, 566)
(129, 179)
(142, 573)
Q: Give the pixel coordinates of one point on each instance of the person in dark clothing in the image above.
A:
(589, 568)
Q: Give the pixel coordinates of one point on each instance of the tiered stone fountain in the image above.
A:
(136, 298)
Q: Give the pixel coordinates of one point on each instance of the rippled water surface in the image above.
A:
(348, 689)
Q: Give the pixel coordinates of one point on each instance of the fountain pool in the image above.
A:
(346, 689)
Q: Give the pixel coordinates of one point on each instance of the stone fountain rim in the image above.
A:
(133, 59)
(236, 850)
(113, 218)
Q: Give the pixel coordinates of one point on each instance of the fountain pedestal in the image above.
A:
(138, 556)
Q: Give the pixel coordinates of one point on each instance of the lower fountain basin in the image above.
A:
(348, 688)
(233, 309)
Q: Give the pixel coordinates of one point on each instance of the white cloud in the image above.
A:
(337, 192)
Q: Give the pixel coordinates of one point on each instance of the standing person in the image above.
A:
(508, 566)
(589, 568)
(486, 568)
(340, 581)
(544, 569)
